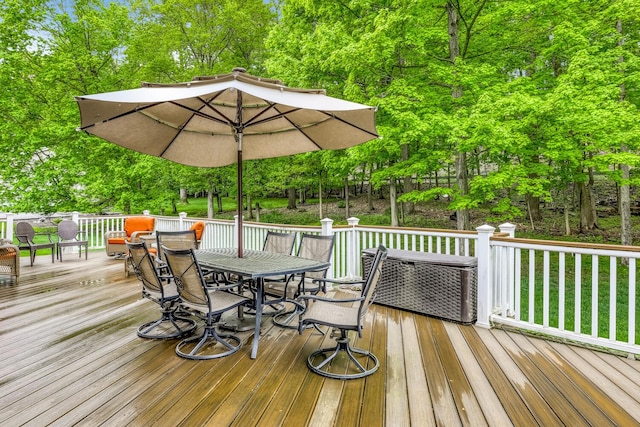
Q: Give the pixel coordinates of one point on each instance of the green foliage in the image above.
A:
(533, 96)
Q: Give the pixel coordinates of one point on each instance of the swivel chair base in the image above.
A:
(168, 326)
(206, 345)
(329, 354)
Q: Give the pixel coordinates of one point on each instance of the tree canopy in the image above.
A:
(513, 103)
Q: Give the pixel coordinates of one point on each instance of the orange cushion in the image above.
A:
(199, 227)
(7, 255)
(138, 223)
(116, 241)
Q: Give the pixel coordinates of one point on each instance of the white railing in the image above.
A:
(578, 292)
(585, 293)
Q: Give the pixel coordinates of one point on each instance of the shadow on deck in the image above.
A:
(70, 355)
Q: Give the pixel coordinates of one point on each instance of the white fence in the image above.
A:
(585, 293)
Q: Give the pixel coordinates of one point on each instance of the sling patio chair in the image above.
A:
(209, 304)
(280, 243)
(312, 247)
(26, 234)
(9, 259)
(345, 314)
(162, 291)
(68, 236)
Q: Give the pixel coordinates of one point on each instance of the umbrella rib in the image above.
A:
(126, 113)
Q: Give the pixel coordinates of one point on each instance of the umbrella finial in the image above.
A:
(239, 70)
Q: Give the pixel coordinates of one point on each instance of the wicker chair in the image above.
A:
(345, 314)
(207, 303)
(9, 259)
(162, 291)
(68, 237)
(25, 235)
(134, 227)
(313, 247)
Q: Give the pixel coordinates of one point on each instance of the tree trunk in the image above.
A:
(210, 195)
(219, 201)
(463, 218)
(291, 196)
(408, 207)
(320, 212)
(370, 191)
(346, 198)
(392, 202)
(183, 196)
(533, 203)
(462, 176)
(624, 202)
(588, 218)
(249, 207)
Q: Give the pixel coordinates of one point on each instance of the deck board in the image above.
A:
(71, 356)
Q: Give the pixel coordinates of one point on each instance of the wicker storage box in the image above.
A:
(443, 286)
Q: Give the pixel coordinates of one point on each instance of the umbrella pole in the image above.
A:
(239, 165)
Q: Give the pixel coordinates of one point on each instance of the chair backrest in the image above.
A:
(188, 276)
(316, 247)
(176, 240)
(280, 243)
(144, 267)
(138, 223)
(373, 277)
(198, 227)
(67, 230)
(24, 232)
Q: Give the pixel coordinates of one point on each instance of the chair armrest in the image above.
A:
(114, 233)
(325, 299)
(135, 236)
(45, 234)
(7, 246)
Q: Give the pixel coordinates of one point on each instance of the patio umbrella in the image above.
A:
(221, 120)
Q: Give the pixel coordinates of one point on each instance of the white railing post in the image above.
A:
(508, 286)
(75, 217)
(353, 250)
(508, 228)
(327, 227)
(485, 287)
(9, 230)
(327, 230)
(182, 216)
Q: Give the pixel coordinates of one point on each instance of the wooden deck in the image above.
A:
(70, 355)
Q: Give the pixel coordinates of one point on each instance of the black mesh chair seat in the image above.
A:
(345, 314)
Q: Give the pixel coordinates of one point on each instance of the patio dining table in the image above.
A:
(256, 265)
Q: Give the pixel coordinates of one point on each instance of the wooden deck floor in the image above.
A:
(70, 356)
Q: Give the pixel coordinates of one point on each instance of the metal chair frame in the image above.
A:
(207, 303)
(343, 315)
(25, 235)
(160, 290)
(68, 237)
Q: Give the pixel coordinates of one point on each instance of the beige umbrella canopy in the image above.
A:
(223, 119)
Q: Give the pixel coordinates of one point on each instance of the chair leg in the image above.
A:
(208, 340)
(323, 367)
(157, 329)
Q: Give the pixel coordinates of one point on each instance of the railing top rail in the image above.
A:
(422, 231)
(563, 246)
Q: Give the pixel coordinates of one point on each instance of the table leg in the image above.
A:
(256, 334)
